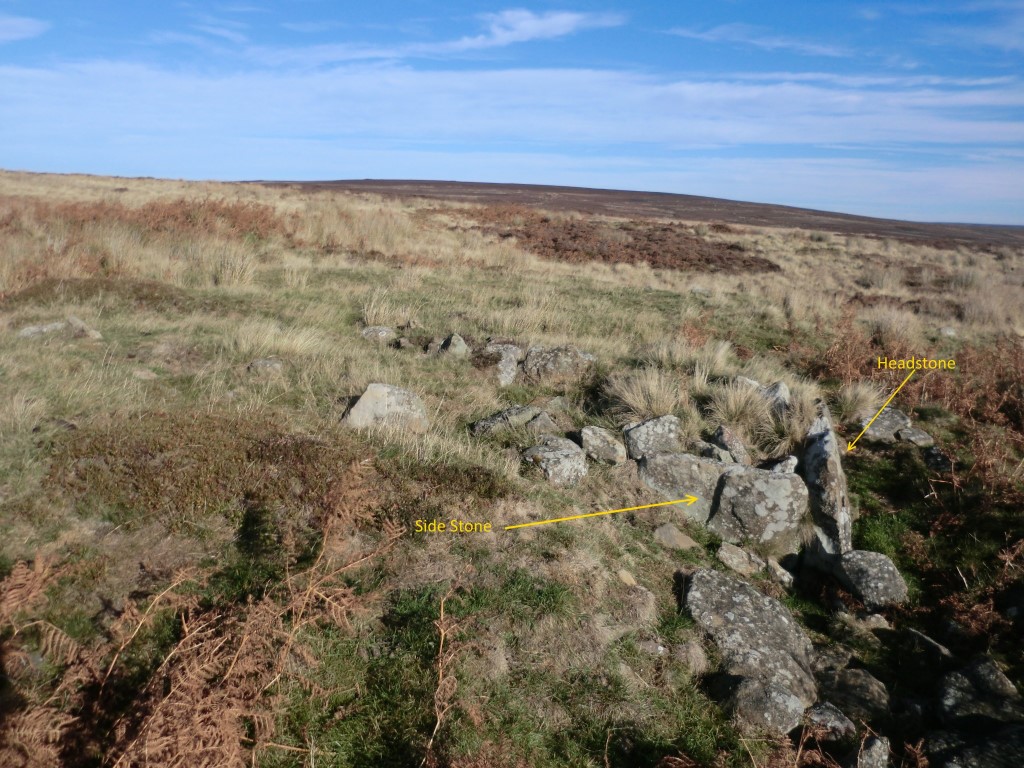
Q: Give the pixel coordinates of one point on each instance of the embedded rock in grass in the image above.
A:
(778, 397)
(728, 440)
(82, 331)
(504, 356)
(872, 577)
(455, 346)
(651, 437)
(915, 436)
(873, 753)
(760, 642)
(829, 500)
(542, 424)
(671, 537)
(385, 405)
(562, 461)
(883, 429)
(692, 654)
(676, 475)
(937, 460)
(778, 574)
(32, 331)
(979, 696)
(748, 382)
(516, 416)
(766, 507)
(1000, 749)
(601, 445)
(856, 692)
(829, 723)
(265, 366)
(555, 362)
(739, 560)
(379, 333)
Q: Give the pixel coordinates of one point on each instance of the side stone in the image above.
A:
(601, 445)
(767, 507)
(829, 498)
(383, 404)
(660, 435)
(674, 475)
(562, 461)
(872, 577)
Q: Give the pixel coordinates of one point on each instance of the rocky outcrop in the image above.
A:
(857, 693)
(829, 499)
(516, 416)
(602, 446)
(872, 577)
(761, 644)
(385, 405)
(543, 363)
(654, 436)
(674, 475)
(562, 461)
(829, 723)
(979, 696)
(542, 424)
(765, 507)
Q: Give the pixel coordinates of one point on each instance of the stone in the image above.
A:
(652, 648)
(829, 498)
(856, 692)
(651, 437)
(562, 461)
(556, 362)
(785, 466)
(711, 451)
(379, 333)
(758, 641)
(144, 374)
(739, 560)
(872, 577)
(602, 446)
(727, 439)
(936, 460)
(764, 507)
(641, 608)
(915, 436)
(829, 723)
(674, 475)
(32, 331)
(385, 405)
(831, 658)
(778, 574)
(778, 397)
(693, 656)
(932, 654)
(510, 418)
(626, 577)
(455, 346)
(884, 428)
(558, 404)
(748, 382)
(1002, 749)
(404, 343)
(504, 356)
(265, 366)
(542, 424)
(979, 696)
(948, 331)
(80, 330)
(671, 537)
(873, 753)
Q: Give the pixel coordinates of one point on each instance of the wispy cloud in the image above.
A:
(311, 27)
(226, 33)
(14, 28)
(757, 37)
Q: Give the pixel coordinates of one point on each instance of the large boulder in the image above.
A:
(516, 416)
(954, 749)
(385, 405)
(556, 362)
(758, 641)
(562, 461)
(763, 506)
(654, 436)
(829, 499)
(872, 577)
(676, 475)
(884, 428)
(602, 445)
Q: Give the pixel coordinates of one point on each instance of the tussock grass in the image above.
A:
(740, 408)
(856, 400)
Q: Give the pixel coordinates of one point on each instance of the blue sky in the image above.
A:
(905, 110)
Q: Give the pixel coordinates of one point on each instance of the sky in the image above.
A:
(902, 110)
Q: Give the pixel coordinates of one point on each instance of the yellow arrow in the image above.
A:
(687, 501)
(849, 446)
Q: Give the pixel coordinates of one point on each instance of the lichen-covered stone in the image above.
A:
(728, 440)
(654, 436)
(739, 560)
(601, 445)
(915, 436)
(676, 475)
(379, 333)
(829, 499)
(872, 577)
(455, 346)
(562, 461)
(765, 507)
(556, 362)
(884, 428)
(516, 416)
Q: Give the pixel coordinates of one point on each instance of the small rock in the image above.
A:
(602, 446)
(829, 723)
(265, 366)
(82, 331)
(383, 404)
(556, 362)
(504, 356)
(516, 416)
(559, 404)
(671, 537)
(778, 574)
(979, 696)
(915, 436)
(856, 692)
(651, 437)
(641, 608)
(626, 577)
(455, 346)
(562, 461)
(379, 333)
(404, 343)
(748, 382)
(692, 654)
(948, 331)
(541, 424)
(434, 347)
(873, 753)
(739, 560)
(31, 331)
(936, 460)
(710, 451)
(760, 706)
(872, 577)
(884, 428)
(831, 658)
(652, 648)
(730, 441)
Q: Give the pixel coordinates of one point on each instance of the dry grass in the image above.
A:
(856, 400)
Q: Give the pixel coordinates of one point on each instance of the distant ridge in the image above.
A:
(669, 205)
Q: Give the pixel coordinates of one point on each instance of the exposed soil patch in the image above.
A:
(660, 244)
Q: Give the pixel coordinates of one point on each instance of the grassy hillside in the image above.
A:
(199, 559)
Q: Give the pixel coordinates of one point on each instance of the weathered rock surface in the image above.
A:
(760, 641)
(883, 429)
(766, 507)
(32, 331)
(937, 460)
(873, 753)
(542, 424)
(778, 397)
(858, 693)
(671, 537)
(778, 574)
(603, 446)
(979, 696)
(379, 333)
(1001, 749)
(739, 560)
(80, 330)
(711, 451)
(504, 356)
(516, 416)
(455, 346)
(556, 362)
(915, 436)
(786, 465)
(829, 499)
(651, 437)
(383, 404)
(872, 577)
(265, 366)
(830, 723)
(729, 441)
(674, 475)
(562, 461)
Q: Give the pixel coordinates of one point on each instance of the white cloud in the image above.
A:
(745, 34)
(520, 26)
(14, 28)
